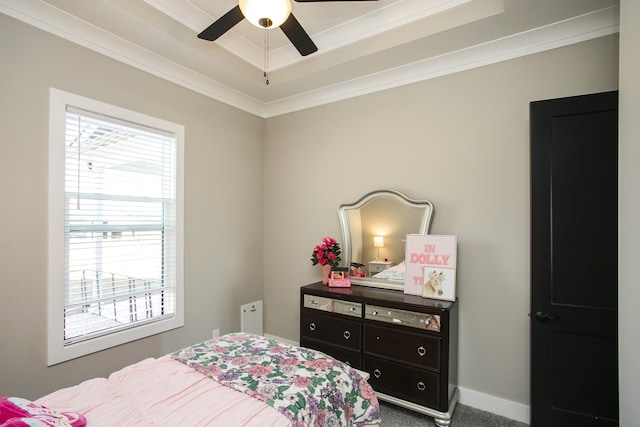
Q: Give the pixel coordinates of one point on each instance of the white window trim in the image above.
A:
(57, 351)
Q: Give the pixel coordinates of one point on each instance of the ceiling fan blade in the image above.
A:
(298, 36)
(315, 1)
(222, 25)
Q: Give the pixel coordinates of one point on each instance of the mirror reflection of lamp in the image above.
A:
(378, 242)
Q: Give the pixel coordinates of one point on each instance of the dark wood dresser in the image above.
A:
(408, 344)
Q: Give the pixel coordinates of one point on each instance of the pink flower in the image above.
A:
(329, 241)
(259, 370)
(210, 370)
(348, 411)
(367, 392)
(289, 362)
(320, 416)
(302, 382)
(276, 350)
(319, 364)
(240, 361)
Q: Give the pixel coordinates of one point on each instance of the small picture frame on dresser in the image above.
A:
(339, 278)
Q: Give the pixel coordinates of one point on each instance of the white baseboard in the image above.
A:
(495, 405)
(475, 399)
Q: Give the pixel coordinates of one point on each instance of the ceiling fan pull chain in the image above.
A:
(266, 55)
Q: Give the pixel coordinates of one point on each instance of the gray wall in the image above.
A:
(223, 204)
(461, 141)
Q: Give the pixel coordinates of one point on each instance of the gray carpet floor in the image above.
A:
(463, 416)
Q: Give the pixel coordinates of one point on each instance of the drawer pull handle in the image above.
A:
(377, 373)
(374, 313)
(352, 309)
(346, 335)
(312, 326)
(422, 351)
(421, 386)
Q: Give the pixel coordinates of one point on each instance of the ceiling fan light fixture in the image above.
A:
(265, 13)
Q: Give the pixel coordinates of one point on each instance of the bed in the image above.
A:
(395, 273)
(235, 380)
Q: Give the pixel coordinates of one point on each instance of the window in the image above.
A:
(115, 226)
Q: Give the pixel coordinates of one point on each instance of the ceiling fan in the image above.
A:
(266, 14)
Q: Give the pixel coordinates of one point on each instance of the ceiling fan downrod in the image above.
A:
(267, 24)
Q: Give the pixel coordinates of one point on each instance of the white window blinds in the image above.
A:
(119, 225)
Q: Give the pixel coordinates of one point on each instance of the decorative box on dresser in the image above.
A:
(408, 344)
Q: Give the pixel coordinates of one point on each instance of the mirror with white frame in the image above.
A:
(374, 230)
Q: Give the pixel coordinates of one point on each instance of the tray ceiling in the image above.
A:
(363, 47)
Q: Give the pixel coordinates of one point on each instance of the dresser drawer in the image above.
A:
(412, 384)
(332, 330)
(418, 349)
(318, 303)
(429, 322)
(330, 305)
(351, 358)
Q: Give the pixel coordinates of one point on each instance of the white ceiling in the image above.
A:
(363, 46)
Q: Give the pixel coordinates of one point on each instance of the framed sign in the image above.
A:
(430, 261)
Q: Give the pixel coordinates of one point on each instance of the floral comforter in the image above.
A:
(307, 386)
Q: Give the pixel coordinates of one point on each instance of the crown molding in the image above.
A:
(599, 23)
(61, 24)
(574, 30)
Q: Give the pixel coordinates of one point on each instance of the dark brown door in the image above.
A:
(574, 275)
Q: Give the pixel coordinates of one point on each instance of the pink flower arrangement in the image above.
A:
(328, 252)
